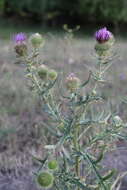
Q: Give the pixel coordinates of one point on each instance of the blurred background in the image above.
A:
(22, 123)
(54, 13)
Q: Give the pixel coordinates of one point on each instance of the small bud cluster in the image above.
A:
(45, 73)
(46, 179)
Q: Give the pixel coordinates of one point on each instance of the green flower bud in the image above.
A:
(43, 71)
(52, 74)
(45, 179)
(72, 82)
(104, 49)
(117, 120)
(53, 165)
(21, 49)
(36, 40)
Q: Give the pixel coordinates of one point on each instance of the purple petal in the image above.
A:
(103, 35)
(20, 37)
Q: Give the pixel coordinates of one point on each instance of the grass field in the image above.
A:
(20, 111)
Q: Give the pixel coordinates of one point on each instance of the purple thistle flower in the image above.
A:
(20, 45)
(103, 35)
(71, 76)
(20, 38)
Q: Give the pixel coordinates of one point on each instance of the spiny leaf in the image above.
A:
(87, 157)
(79, 184)
(118, 180)
(40, 160)
(109, 175)
(48, 88)
(52, 130)
(86, 82)
(124, 99)
(100, 157)
(120, 136)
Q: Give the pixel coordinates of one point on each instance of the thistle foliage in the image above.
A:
(82, 134)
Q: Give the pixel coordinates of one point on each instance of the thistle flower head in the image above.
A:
(103, 35)
(20, 45)
(72, 82)
(45, 179)
(53, 165)
(117, 121)
(71, 76)
(20, 38)
(52, 74)
(43, 71)
(37, 40)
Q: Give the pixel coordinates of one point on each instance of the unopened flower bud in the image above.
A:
(21, 49)
(52, 74)
(36, 40)
(43, 71)
(102, 49)
(117, 120)
(45, 179)
(53, 165)
(72, 82)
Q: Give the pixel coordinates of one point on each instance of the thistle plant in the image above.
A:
(82, 136)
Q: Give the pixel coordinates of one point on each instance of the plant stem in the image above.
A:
(76, 146)
(99, 75)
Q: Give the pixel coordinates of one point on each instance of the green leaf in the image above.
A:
(79, 184)
(53, 131)
(120, 136)
(98, 175)
(109, 175)
(99, 158)
(40, 160)
(118, 180)
(48, 88)
(86, 82)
